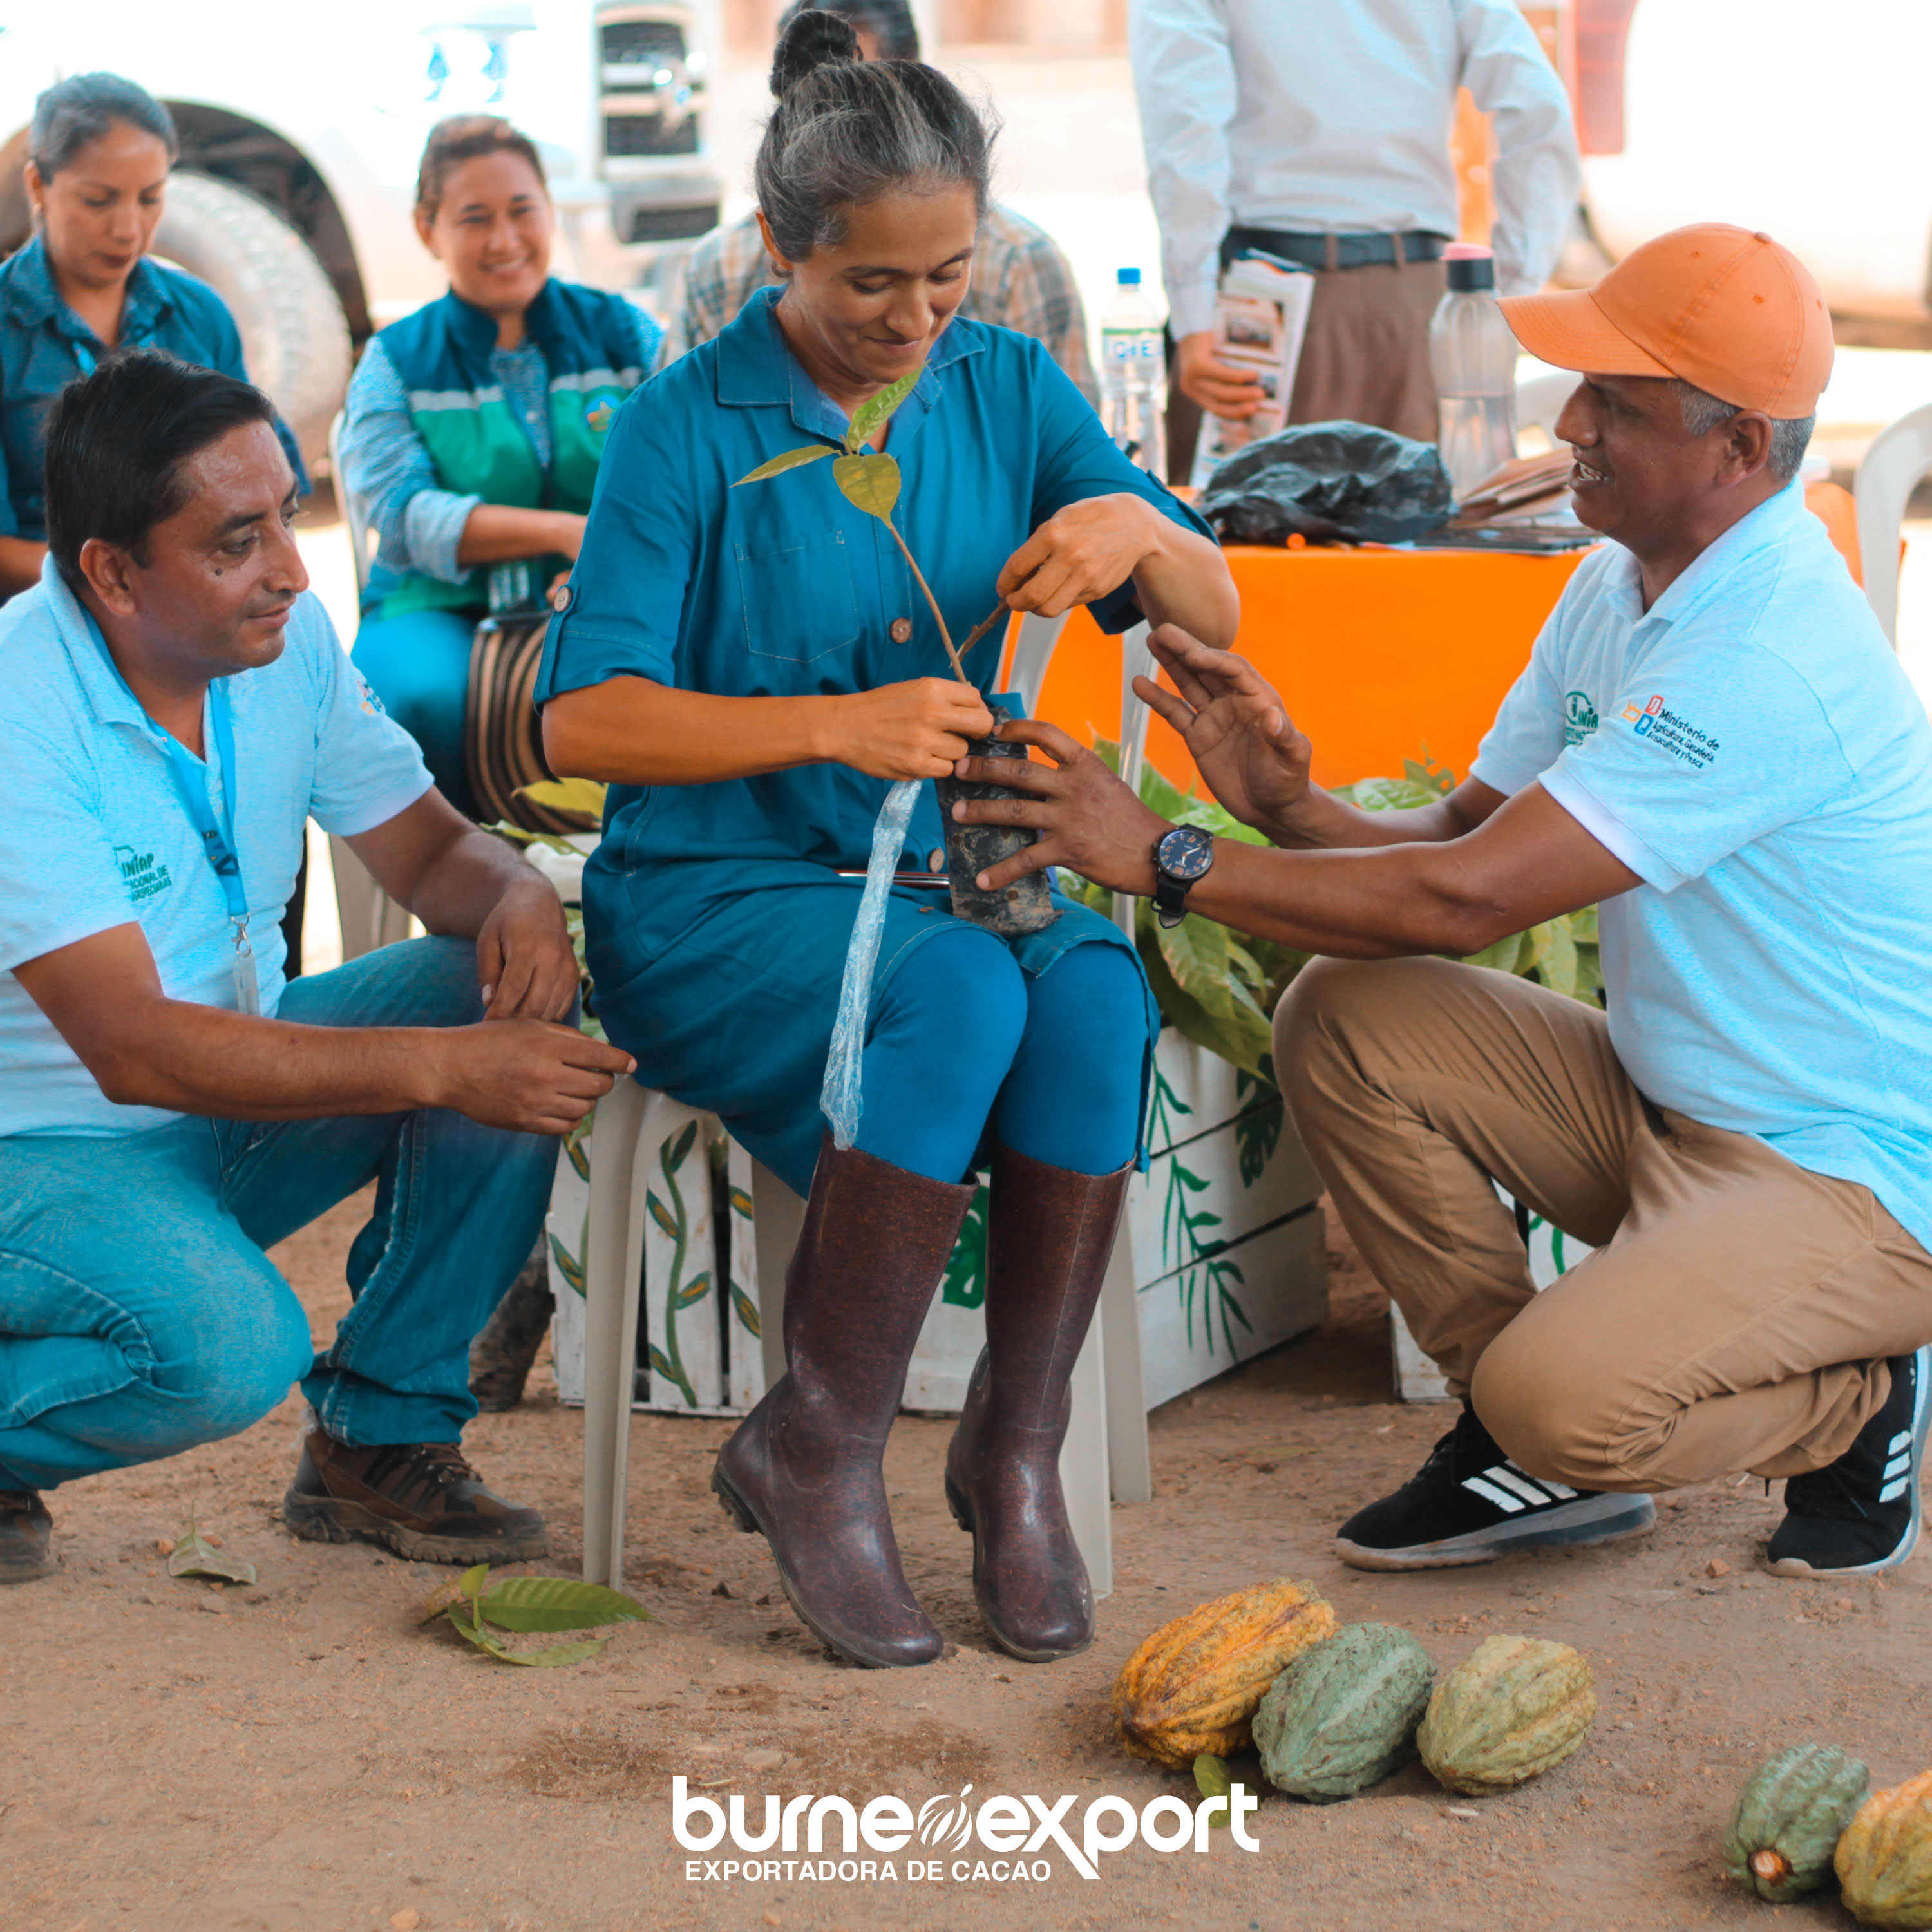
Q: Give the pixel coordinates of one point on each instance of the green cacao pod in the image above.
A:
(1789, 1817)
(1513, 1708)
(1884, 1860)
(1343, 1714)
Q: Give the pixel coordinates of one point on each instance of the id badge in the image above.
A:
(248, 988)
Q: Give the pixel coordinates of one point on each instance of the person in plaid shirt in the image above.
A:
(1020, 279)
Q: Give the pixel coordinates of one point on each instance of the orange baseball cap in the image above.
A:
(1726, 309)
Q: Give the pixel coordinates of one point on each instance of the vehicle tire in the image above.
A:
(294, 334)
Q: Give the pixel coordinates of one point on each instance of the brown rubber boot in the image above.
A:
(26, 1537)
(1050, 1232)
(501, 1357)
(421, 1499)
(804, 1469)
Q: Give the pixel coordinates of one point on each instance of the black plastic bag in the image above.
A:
(1328, 481)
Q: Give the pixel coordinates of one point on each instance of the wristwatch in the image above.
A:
(1181, 860)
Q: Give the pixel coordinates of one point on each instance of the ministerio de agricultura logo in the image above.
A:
(951, 1839)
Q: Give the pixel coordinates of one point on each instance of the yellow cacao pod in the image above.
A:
(1884, 1860)
(1195, 1685)
(1513, 1708)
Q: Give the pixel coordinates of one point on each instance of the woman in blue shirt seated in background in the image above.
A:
(474, 427)
(98, 155)
(750, 669)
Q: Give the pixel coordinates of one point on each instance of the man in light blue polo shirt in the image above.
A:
(176, 708)
(1713, 742)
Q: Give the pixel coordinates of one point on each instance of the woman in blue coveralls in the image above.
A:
(99, 151)
(750, 668)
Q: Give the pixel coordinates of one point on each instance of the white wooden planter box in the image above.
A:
(1552, 1253)
(1229, 1257)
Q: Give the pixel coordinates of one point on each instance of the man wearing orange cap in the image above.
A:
(1713, 742)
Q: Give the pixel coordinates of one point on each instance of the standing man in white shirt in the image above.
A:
(1318, 131)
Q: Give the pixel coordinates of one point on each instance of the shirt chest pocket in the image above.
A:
(798, 598)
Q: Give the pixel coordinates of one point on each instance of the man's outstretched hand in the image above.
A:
(1090, 822)
(1241, 738)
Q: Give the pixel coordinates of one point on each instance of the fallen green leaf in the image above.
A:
(1211, 1780)
(870, 483)
(479, 1633)
(194, 1555)
(557, 1604)
(791, 460)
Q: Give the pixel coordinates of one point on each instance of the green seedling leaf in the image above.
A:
(871, 416)
(695, 1289)
(681, 1148)
(741, 1203)
(870, 483)
(583, 796)
(746, 1310)
(662, 1216)
(1211, 1780)
(791, 460)
(557, 1604)
(194, 1555)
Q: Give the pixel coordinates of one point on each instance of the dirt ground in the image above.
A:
(302, 1757)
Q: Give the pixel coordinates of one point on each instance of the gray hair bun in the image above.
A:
(812, 39)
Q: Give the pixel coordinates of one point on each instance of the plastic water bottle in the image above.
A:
(1132, 372)
(1472, 355)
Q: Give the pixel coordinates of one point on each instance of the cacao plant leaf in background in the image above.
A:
(194, 1555)
(1221, 993)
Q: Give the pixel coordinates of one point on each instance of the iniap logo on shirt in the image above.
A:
(143, 876)
(1580, 717)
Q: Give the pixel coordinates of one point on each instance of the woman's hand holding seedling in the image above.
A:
(916, 729)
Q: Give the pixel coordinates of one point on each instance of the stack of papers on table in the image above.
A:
(1524, 506)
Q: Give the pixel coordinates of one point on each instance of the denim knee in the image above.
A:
(214, 1379)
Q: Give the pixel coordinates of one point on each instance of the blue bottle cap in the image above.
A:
(1128, 278)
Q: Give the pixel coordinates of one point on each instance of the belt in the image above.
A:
(1335, 251)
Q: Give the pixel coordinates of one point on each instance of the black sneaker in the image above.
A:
(1862, 1512)
(1470, 1504)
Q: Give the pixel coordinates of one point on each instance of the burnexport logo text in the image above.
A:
(948, 1836)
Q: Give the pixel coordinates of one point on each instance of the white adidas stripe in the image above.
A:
(1892, 1491)
(1897, 1466)
(1503, 1500)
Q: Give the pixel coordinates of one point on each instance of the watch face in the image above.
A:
(1185, 853)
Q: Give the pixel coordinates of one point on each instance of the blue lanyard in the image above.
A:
(217, 835)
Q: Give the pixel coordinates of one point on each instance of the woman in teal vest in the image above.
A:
(475, 427)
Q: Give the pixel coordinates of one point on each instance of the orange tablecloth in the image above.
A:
(1377, 653)
(1380, 654)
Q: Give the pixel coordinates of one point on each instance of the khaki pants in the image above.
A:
(1737, 1311)
(1365, 358)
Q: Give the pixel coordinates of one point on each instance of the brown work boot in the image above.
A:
(1049, 1234)
(805, 1467)
(421, 1499)
(26, 1537)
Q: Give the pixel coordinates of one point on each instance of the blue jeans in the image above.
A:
(140, 1316)
(418, 663)
(964, 1044)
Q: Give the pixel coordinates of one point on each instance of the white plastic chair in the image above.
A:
(1900, 456)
